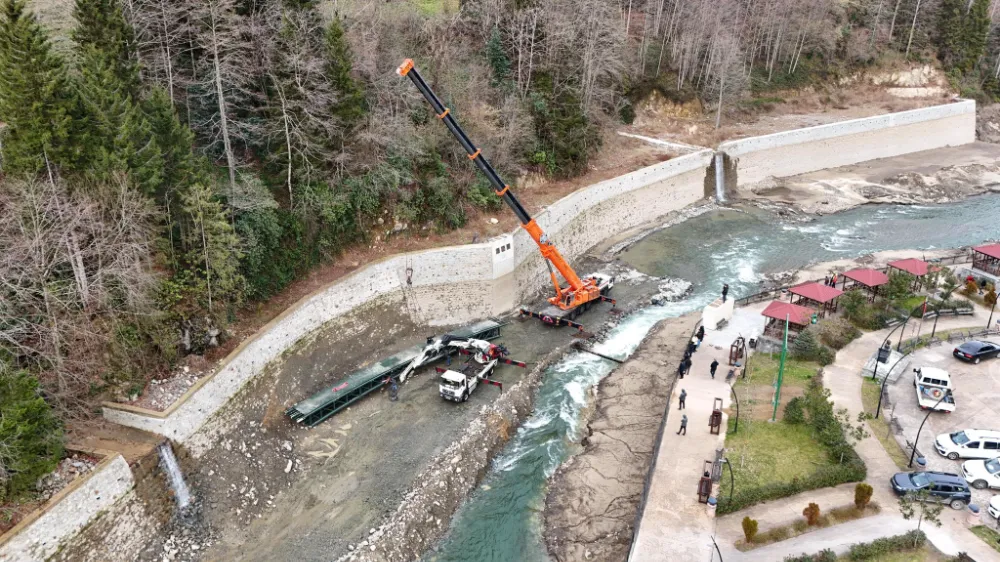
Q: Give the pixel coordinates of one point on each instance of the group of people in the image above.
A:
(831, 280)
(685, 368)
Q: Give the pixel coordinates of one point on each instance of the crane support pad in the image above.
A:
(356, 385)
(551, 319)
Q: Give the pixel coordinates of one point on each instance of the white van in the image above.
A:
(969, 444)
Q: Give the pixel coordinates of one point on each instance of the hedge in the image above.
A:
(881, 547)
(825, 555)
(823, 477)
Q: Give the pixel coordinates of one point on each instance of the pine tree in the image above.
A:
(102, 26)
(30, 435)
(350, 104)
(36, 97)
(499, 62)
(974, 34)
(118, 136)
(175, 141)
(949, 31)
(213, 258)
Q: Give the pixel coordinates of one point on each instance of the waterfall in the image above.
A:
(182, 494)
(720, 177)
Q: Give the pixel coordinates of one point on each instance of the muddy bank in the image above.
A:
(592, 500)
(932, 176)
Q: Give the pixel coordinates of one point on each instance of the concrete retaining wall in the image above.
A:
(70, 510)
(839, 144)
(442, 286)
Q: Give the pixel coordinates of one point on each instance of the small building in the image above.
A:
(799, 318)
(815, 295)
(986, 258)
(912, 266)
(865, 278)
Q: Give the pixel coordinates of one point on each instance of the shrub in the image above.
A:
(811, 513)
(794, 414)
(837, 332)
(825, 555)
(888, 545)
(749, 529)
(805, 345)
(862, 495)
(991, 297)
(823, 477)
(774, 535)
(970, 288)
(825, 356)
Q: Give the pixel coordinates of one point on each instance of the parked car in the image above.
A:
(934, 389)
(942, 487)
(975, 351)
(969, 444)
(994, 508)
(982, 474)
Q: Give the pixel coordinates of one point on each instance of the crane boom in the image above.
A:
(580, 291)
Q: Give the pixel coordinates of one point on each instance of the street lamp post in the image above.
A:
(991, 314)
(902, 328)
(732, 478)
(916, 440)
(736, 399)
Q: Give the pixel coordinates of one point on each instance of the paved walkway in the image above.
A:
(674, 525)
(838, 538)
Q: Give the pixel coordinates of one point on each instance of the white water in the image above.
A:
(182, 494)
(720, 177)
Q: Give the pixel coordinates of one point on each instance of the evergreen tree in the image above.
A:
(212, 257)
(499, 62)
(118, 138)
(949, 31)
(350, 104)
(36, 97)
(102, 26)
(175, 141)
(974, 34)
(31, 440)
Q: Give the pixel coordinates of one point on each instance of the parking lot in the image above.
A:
(977, 401)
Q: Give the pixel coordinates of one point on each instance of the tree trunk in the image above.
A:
(288, 144)
(878, 13)
(913, 26)
(223, 121)
(165, 45)
(892, 25)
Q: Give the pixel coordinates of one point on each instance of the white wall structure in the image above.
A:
(68, 512)
(806, 150)
(442, 286)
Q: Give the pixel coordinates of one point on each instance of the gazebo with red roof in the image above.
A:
(986, 258)
(912, 266)
(865, 278)
(816, 295)
(799, 317)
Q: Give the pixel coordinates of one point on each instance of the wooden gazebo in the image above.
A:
(987, 258)
(912, 266)
(815, 295)
(799, 317)
(865, 278)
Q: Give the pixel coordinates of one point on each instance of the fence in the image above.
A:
(953, 337)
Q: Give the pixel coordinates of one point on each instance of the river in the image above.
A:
(501, 521)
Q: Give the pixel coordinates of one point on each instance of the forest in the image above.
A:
(171, 163)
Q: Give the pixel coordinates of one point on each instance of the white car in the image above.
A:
(982, 474)
(969, 444)
(994, 508)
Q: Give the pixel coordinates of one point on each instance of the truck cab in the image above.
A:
(456, 386)
(934, 388)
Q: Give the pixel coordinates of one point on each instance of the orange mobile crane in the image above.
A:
(569, 301)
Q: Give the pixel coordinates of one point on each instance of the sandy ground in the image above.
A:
(931, 176)
(591, 503)
(271, 490)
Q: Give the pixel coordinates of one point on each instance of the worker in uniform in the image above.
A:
(684, 425)
(725, 291)
(680, 401)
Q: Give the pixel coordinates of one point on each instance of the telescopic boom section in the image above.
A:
(579, 291)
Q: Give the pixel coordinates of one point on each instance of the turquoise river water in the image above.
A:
(501, 521)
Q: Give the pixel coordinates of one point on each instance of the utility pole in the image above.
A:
(781, 373)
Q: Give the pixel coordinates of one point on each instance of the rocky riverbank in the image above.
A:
(592, 501)
(933, 176)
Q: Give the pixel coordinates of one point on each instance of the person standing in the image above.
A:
(684, 425)
(701, 334)
(681, 368)
(683, 397)
(687, 365)
(713, 367)
(826, 280)
(725, 291)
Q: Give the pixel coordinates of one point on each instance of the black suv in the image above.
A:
(943, 487)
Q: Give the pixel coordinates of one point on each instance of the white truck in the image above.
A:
(457, 386)
(934, 389)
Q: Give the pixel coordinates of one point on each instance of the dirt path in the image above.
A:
(591, 504)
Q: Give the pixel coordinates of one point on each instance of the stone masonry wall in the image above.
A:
(806, 150)
(68, 512)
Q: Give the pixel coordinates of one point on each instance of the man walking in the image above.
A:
(687, 365)
(713, 367)
(684, 425)
(701, 334)
(725, 291)
(680, 403)
(681, 368)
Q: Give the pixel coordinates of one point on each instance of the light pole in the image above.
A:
(732, 478)
(882, 388)
(916, 440)
(902, 328)
(991, 313)
(736, 429)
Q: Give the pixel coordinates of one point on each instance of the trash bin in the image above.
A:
(973, 516)
(921, 463)
(712, 502)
